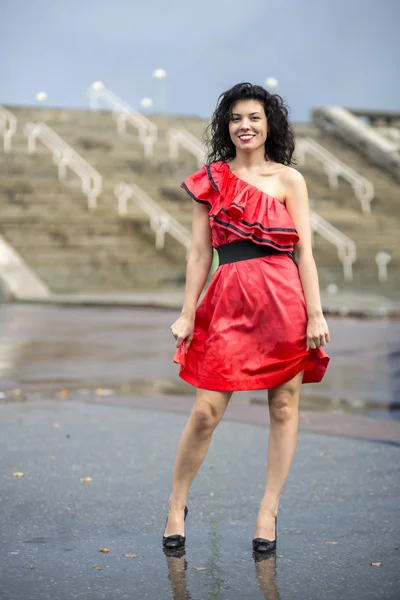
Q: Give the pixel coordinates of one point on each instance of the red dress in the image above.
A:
(250, 327)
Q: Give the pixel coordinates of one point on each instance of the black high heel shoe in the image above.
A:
(174, 542)
(261, 545)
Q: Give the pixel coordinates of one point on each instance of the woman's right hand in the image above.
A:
(182, 329)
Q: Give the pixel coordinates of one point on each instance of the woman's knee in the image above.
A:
(283, 402)
(206, 414)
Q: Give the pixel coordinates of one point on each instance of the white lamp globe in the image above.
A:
(41, 96)
(160, 73)
(271, 83)
(146, 103)
(97, 86)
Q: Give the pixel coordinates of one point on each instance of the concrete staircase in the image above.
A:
(74, 250)
(372, 233)
(71, 249)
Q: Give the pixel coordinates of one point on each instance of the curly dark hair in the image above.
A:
(279, 145)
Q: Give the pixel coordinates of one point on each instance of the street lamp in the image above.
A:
(271, 83)
(146, 103)
(41, 98)
(160, 75)
(93, 93)
(97, 86)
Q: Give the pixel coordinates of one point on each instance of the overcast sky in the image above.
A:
(342, 52)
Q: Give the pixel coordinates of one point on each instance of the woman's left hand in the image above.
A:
(317, 333)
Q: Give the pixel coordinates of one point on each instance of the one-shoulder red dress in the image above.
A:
(250, 327)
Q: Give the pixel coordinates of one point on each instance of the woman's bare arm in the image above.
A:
(298, 207)
(199, 260)
(197, 270)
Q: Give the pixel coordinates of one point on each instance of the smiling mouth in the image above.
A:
(246, 137)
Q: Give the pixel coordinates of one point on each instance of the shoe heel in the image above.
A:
(175, 542)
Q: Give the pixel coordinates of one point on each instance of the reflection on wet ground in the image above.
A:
(48, 348)
(265, 570)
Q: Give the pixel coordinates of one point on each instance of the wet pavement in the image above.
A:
(338, 513)
(93, 393)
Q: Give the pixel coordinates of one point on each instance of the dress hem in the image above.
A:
(313, 373)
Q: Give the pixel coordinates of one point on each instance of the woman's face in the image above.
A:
(248, 125)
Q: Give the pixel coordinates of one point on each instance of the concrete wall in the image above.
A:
(17, 280)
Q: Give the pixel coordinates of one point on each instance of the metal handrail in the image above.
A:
(347, 251)
(65, 157)
(367, 140)
(182, 137)
(393, 133)
(123, 114)
(8, 127)
(333, 167)
(161, 221)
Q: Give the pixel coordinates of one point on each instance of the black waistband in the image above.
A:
(245, 249)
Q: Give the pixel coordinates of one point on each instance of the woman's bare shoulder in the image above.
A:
(291, 176)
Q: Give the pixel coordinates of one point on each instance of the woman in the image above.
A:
(260, 324)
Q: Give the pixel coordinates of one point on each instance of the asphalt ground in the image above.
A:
(339, 510)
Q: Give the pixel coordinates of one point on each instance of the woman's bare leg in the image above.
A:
(207, 411)
(283, 403)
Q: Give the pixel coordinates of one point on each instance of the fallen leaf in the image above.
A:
(97, 568)
(331, 542)
(104, 550)
(63, 393)
(280, 555)
(56, 425)
(200, 568)
(130, 555)
(31, 567)
(51, 458)
(18, 474)
(86, 479)
(376, 564)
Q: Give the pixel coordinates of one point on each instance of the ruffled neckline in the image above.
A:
(224, 170)
(233, 175)
(249, 211)
(236, 192)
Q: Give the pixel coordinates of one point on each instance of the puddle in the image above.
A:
(47, 349)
